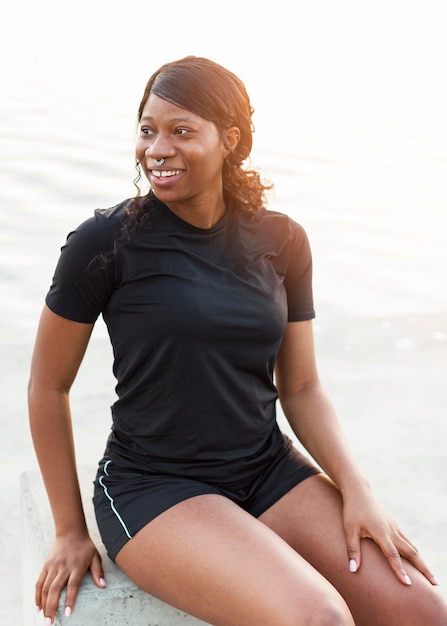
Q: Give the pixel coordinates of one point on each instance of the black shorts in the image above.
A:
(125, 501)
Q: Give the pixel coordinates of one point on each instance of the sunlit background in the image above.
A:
(349, 96)
(350, 106)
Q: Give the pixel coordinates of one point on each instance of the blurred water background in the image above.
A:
(350, 100)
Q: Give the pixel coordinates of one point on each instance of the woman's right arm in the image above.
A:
(59, 349)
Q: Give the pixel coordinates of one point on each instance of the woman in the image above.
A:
(207, 295)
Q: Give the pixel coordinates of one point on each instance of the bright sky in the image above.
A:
(388, 55)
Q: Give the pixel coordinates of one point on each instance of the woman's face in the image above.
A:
(193, 153)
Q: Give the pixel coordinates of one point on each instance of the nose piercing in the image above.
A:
(159, 161)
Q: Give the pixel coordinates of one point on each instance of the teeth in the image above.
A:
(165, 173)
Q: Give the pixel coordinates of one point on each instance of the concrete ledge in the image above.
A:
(121, 603)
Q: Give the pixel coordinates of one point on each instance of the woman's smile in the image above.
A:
(165, 173)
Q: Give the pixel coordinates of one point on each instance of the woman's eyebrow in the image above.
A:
(149, 118)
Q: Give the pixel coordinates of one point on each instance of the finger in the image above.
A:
(97, 571)
(51, 594)
(38, 590)
(71, 593)
(45, 590)
(411, 553)
(393, 557)
(353, 550)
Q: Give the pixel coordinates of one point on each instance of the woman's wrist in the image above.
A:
(74, 528)
(356, 487)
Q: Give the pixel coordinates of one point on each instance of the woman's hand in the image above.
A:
(363, 518)
(69, 559)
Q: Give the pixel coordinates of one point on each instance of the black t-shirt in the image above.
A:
(195, 317)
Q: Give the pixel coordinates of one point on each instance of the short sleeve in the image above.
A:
(298, 277)
(83, 279)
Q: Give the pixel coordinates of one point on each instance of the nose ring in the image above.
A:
(159, 161)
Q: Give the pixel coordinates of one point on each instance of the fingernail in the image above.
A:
(102, 582)
(48, 621)
(435, 581)
(407, 579)
(38, 609)
(352, 566)
(67, 612)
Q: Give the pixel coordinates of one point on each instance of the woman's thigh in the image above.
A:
(309, 519)
(209, 558)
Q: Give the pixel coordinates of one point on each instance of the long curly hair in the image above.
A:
(217, 95)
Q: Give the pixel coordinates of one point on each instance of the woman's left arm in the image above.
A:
(314, 421)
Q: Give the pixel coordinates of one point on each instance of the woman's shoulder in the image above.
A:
(281, 220)
(276, 224)
(112, 216)
(105, 223)
(96, 233)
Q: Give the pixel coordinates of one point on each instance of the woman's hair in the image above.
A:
(217, 95)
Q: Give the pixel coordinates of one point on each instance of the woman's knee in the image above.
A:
(329, 616)
(327, 610)
(333, 613)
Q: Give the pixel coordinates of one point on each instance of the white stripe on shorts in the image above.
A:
(112, 504)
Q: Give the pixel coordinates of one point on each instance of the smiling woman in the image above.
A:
(202, 142)
(207, 296)
(192, 152)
